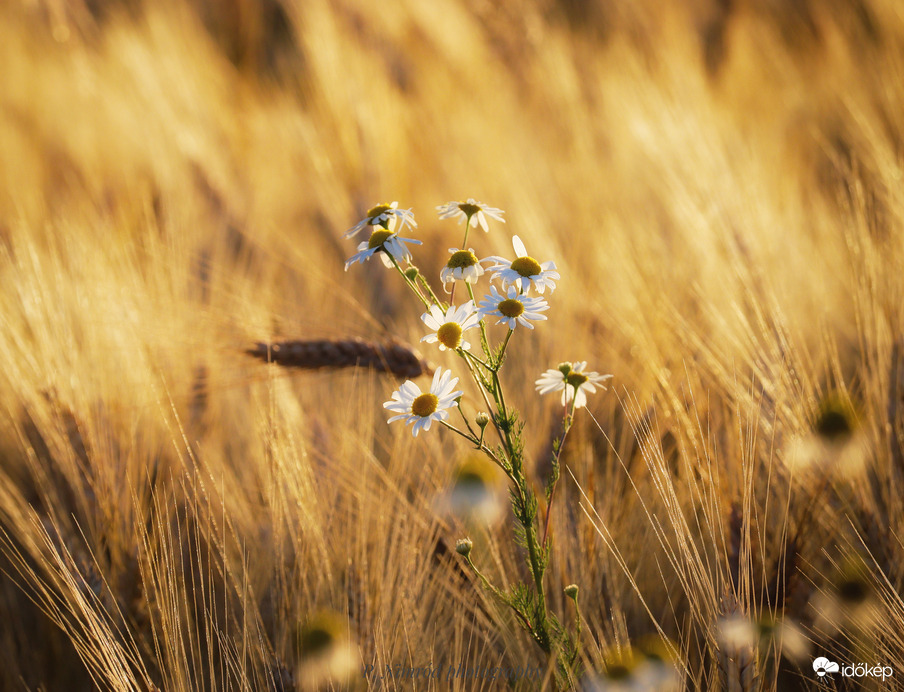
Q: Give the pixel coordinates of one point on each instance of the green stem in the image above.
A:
(468, 423)
(569, 421)
(577, 621)
(537, 570)
(478, 380)
(484, 342)
(471, 438)
(411, 284)
(478, 443)
(475, 359)
(501, 356)
(501, 596)
(430, 291)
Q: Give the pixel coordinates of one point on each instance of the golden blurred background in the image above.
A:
(718, 182)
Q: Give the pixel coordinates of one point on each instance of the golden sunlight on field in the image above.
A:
(719, 184)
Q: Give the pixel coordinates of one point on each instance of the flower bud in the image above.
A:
(482, 419)
(463, 546)
(572, 591)
(564, 368)
(412, 273)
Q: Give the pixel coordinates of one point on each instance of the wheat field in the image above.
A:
(720, 185)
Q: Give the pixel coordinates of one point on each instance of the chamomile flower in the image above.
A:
(327, 651)
(463, 265)
(422, 408)
(513, 308)
(524, 270)
(477, 212)
(571, 378)
(386, 243)
(384, 215)
(449, 327)
(476, 494)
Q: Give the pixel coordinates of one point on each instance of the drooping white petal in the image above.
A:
(520, 250)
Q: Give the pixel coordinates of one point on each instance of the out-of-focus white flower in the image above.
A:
(835, 442)
(327, 653)
(476, 493)
(633, 671)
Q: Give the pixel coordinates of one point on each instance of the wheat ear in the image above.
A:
(392, 357)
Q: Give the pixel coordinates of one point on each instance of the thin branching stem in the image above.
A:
(567, 423)
(411, 284)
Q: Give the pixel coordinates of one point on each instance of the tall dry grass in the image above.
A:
(720, 185)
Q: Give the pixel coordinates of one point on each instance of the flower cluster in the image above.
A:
(511, 302)
(516, 296)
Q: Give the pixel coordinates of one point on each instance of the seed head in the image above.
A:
(463, 546)
(511, 307)
(425, 404)
(449, 335)
(527, 266)
(462, 259)
(377, 238)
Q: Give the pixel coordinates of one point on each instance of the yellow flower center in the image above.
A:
(527, 266)
(575, 379)
(377, 238)
(834, 423)
(320, 635)
(511, 307)
(377, 210)
(314, 640)
(469, 209)
(853, 591)
(461, 259)
(618, 671)
(449, 335)
(470, 480)
(424, 405)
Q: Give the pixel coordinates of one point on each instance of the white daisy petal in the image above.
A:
(410, 389)
(520, 250)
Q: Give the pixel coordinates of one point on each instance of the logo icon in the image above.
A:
(823, 665)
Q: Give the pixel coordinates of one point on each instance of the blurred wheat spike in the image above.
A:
(392, 357)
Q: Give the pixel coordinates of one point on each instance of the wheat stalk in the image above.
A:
(393, 357)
